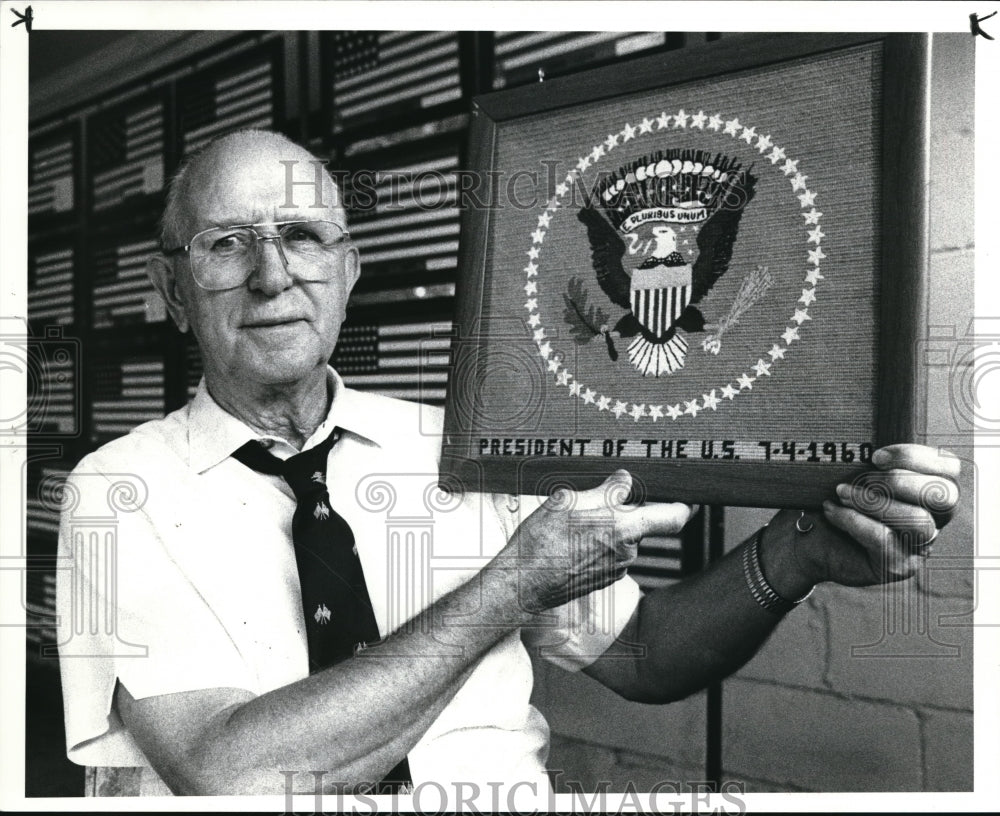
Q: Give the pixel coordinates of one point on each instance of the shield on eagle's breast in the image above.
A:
(660, 290)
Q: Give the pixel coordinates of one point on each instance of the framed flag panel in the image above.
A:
(127, 152)
(53, 159)
(246, 91)
(519, 56)
(371, 76)
(707, 270)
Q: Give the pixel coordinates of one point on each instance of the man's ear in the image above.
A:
(352, 267)
(164, 279)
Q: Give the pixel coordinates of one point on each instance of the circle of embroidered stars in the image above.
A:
(807, 199)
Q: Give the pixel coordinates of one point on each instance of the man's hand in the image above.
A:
(577, 542)
(880, 528)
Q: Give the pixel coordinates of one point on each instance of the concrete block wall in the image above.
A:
(858, 689)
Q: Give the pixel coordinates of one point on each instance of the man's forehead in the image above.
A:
(259, 182)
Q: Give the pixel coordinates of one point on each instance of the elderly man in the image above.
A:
(236, 662)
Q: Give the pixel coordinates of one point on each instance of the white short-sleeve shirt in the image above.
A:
(179, 574)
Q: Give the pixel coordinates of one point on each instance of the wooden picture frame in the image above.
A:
(857, 372)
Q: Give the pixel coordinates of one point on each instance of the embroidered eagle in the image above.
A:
(661, 233)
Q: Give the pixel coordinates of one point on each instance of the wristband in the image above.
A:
(763, 593)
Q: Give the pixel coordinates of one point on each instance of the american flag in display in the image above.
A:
(50, 180)
(53, 406)
(407, 360)
(127, 392)
(50, 287)
(414, 224)
(238, 98)
(386, 73)
(122, 290)
(43, 484)
(518, 55)
(127, 152)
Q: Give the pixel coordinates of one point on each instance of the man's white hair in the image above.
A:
(170, 221)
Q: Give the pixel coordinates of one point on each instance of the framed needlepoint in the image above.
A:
(705, 267)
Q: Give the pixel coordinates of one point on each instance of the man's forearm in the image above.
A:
(357, 719)
(705, 627)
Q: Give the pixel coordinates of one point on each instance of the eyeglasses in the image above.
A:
(224, 257)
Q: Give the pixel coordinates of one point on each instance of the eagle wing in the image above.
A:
(606, 251)
(716, 239)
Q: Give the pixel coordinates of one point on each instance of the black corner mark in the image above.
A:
(974, 21)
(25, 18)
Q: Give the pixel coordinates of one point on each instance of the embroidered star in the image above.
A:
(762, 369)
(656, 412)
(544, 219)
(531, 288)
(588, 396)
(816, 235)
(603, 402)
(563, 377)
(674, 411)
(575, 388)
(662, 121)
(531, 269)
(538, 236)
(799, 182)
(539, 335)
(748, 134)
(808, 296)
(746, 382)
(597, 152)
(552, 206)
(813, 276)
(790, 334)
(638, 411)
(692, 407)
(790, 167)
(554, 365)
(816, 255)
(583, 163)
(531, 305)
(732, 126)
(710, 400)
(807, 199)
(545, 349)
(628, 133)
(698, 120)
(715, 122)
(322, 614)
(777, 155)
(777, 352)
(321, 512)
(646, 125)
(318, 477)
(611, 141)
(728, 391)
(562, 188)
(619, 409)
(800, 316)
(681, 119)
(534, 320)
(533, 254)
(812, 217)
(763, 143)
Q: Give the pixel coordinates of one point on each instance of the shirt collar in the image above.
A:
(214, 433)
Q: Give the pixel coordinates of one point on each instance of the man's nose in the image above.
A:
(270, 274)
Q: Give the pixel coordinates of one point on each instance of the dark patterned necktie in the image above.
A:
(335, 602)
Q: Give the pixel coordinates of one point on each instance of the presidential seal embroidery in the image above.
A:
(661, 231)
(661, 226)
